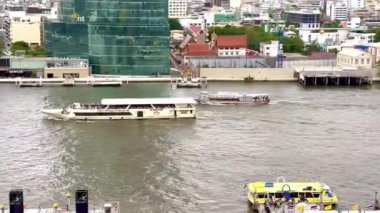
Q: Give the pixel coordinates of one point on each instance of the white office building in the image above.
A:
(339, 11)
(178, 8)
(269, 48)
(356, 4)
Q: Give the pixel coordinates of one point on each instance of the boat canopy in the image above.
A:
(271, 187)
(237, 94)
(138, 101)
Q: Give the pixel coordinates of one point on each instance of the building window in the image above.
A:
(368, 61)
(356, 61)
(362, 61)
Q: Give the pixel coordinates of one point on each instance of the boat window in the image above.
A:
(279, 195)
(329, 194)
(308, 195)
(117, 106)
(161, 106)
(294, 195)
(316, 195)
(261, 195)
(271, 195)
(140, 106)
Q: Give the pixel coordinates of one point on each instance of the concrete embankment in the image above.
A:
(241, 74)
(90, 80)
(211, 74)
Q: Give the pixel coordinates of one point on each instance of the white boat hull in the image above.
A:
(217, 103)
(134, 114)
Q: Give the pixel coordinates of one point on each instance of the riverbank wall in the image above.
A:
(211, 74)
(250, 74)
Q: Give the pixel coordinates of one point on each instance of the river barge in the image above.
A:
(127, 108)
(232, 98)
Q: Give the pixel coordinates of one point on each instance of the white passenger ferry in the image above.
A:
(128, 108)
(226, 98)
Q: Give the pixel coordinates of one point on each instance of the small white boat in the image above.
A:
(127, 108)
(189, 83)
(232, 98)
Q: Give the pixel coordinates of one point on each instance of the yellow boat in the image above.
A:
(292, 192)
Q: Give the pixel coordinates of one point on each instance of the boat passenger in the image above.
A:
(266, 206)
(292, 203)
(302, 198)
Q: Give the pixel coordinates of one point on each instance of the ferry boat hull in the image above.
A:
(80, 115)
(127, 109)
(217, 103)
(232, 98)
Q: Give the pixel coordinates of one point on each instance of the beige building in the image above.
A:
(67, 68)
(354, 58)
(27, 28)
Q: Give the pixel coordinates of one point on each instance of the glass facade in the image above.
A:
(120, 37)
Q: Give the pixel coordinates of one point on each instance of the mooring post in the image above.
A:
(360, 81)
(315, 81)
(349, 81)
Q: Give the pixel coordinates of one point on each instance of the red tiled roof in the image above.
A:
(208, 53)
(231, 41)
(198, 49)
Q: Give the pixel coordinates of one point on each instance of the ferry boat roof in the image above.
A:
(138, 101)
(292, 186)
(238, 94)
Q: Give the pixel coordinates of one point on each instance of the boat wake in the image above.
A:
(295, 102)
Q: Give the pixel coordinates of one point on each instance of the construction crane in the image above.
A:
(280, 53)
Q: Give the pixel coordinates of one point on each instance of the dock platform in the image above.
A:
(333, 76)
(67, 82)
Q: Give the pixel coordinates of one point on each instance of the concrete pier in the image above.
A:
(333, 76)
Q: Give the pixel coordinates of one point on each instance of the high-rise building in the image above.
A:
(303, 18)
(356, 4)
(178, 8)
(339, 11)
(119, 37)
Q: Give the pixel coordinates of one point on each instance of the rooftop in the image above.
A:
(199, 49)
(353, 53)
(231, 41)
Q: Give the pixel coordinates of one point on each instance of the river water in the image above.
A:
(195, 165)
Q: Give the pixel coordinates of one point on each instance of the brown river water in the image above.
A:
(327, 134)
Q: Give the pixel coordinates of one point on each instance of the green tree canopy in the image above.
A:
(174, 24)
(20, 45)
(335, 24)
(37, 51)
(2, 46)
(314, 47)
(377, 34)
(293, 45)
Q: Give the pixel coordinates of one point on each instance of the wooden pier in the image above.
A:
(333, 76)
(66, 82)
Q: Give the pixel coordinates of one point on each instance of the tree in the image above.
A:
(334, 24)
(293, 45)
(378, 68)
(37, 51)
(2, 46)
(174, 24)
(20, 45)
(313, 47)
(377, 34)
